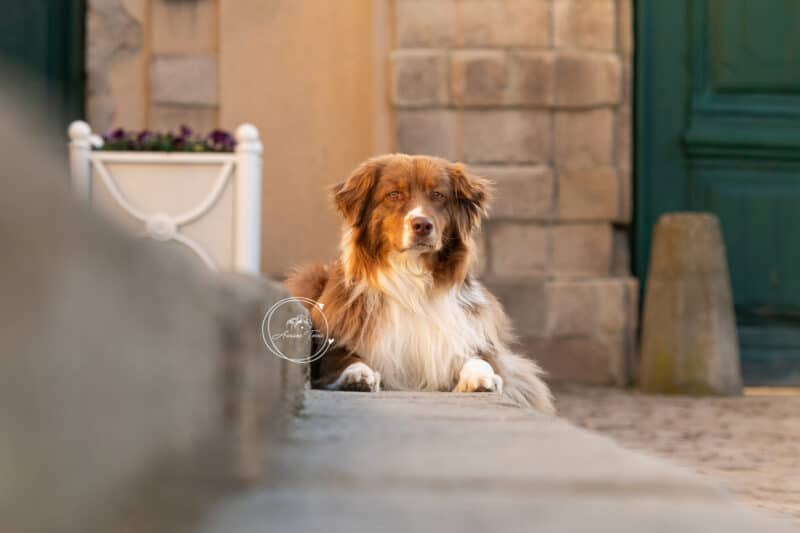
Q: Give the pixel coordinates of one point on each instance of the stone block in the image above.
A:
(572, 307)
(592, 360)
(525, 302)
(429, 132)
(533, 75)
(582, 249)
(508, 136)
(504, 23)
(621, 252)
(169, 117)
(588, 79)
(481, 254)
(616, 304)
(689, 340)
(561, 23)
(624, 137)
(519, 250)
(186, 79)
(419, 78)
(625, 215)
(591, 306)
(625, 27)
(584, 138)
(184, 27)
(588, 194)
(521, 192)
(425, 24)
(480, 77)
(586, 24)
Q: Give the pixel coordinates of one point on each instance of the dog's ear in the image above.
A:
(472, 196)
(352, 195)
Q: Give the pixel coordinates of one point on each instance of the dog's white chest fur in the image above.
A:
(423, 338)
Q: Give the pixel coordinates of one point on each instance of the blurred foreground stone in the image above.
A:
(399, 462)
(689, 342)
(134, 386)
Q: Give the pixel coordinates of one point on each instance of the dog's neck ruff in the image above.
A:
(424, 334)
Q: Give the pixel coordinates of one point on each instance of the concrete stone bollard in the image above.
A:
(689, 341)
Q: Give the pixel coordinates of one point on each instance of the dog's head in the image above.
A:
(416, 206)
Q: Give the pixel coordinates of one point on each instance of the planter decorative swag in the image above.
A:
(207, 202)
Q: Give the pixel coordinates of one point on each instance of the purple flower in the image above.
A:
(220, 140)
(183, 141)
(144, 137)
(115, 135)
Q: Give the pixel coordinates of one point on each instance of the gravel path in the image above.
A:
(751, 444)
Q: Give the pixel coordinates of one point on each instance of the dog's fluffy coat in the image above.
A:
(401, 303)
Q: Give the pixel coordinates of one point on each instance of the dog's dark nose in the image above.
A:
(422, 226)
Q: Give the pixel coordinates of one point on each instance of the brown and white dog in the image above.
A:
(402, 305)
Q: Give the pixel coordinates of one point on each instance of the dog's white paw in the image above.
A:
(358, 377)
(478, 376)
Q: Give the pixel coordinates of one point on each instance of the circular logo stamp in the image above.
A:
(291, 335)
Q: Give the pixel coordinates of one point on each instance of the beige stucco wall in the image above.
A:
(302, 72)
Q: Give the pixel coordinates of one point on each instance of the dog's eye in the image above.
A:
(436, 195)
(394, 195)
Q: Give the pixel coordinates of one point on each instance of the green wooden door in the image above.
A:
(44, 39)
(718, 129)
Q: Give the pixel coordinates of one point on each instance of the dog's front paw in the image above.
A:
(358, 377)
(478, 376)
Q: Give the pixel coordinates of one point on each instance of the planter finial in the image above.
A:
(79, 131)
(247, 133)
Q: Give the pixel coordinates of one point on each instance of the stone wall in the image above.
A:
(535, 94)
(152, 64)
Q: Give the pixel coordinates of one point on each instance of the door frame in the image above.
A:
(658, 145)
(60, 83)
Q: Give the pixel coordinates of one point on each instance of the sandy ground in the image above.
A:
(751, 443)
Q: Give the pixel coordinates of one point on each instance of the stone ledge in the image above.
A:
(132, 375)
(416, 470)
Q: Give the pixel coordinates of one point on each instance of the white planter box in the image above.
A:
(207, 202)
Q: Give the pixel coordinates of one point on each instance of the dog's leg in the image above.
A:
(478, 376)
(357, 377)
(341, 369)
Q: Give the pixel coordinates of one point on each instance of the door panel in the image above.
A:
(754, 45)
(731, 71)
